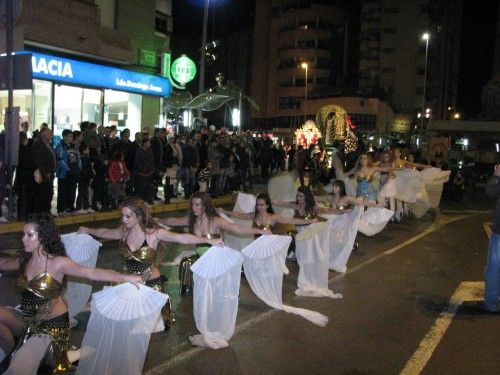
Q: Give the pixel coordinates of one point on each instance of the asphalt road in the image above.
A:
(408, 307)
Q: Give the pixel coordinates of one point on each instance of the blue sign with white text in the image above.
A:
(83, 73)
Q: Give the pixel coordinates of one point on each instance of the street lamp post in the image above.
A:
(201, 85)
(305, 66)
(425, 37)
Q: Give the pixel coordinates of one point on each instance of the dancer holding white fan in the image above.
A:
(139, 237)
(42, 323)
(203, 220)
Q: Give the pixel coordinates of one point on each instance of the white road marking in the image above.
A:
(466, 291)
(487, 229)
(160, 369)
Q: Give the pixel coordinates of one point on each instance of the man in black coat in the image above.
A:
(45, 161)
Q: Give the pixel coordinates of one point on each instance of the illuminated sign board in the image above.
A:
(83, 73)
(183, 69)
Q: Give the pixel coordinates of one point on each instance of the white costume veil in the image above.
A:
(373, 220)
(117, 337)
(433, 180)
(27, 359)
(264, 263)
(312, 249)
(343, 231)
(407, 186)
(245, 203)
(217, 276)
(283, 187)
(82, 249)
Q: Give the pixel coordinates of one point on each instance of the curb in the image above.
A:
(17, 226)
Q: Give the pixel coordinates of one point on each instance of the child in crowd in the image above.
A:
(204, 177)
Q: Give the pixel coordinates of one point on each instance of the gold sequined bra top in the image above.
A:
(265, 226)
(210, 236)
(144, 254)
(43, 286)
(307, 216)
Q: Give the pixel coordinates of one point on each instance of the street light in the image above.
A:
(305, 66)
(425, 37)
(201, 85)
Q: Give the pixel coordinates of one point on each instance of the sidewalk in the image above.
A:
(181, 204)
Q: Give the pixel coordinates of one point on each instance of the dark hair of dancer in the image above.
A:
(341, 187)
(269, 206)
(48, 236)
(208, 208)
(309, 198)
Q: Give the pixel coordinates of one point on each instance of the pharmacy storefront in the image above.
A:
(66, 92)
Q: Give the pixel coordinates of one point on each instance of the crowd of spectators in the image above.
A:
(97, 167)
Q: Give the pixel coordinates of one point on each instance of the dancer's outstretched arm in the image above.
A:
(107, 233)
(294, 221)
(9, 264)
(186, 238)
(174, 221)
(237, 215)
(236, 228)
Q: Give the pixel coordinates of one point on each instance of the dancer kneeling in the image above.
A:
(203, 220)
(43, 314)
(139, 237)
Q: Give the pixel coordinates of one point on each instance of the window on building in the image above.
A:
(35, 106)
(390, 30)
(392, 10)
(123, 110)
(389, 49)
(289, 103)
(162, 24)
(67, 108)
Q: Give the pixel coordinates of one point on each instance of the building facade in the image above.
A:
(394, 57)
(356, 52)
(94, 61)
(290, 36)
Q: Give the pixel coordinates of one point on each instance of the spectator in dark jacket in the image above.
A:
(188, 168)
(144, 165)
(157, 148)
(24, 178)
(86, 177)
(45, 161)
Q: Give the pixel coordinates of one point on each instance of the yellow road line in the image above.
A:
(466, 291)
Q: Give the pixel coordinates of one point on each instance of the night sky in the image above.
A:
(476, 54)
(228, 16)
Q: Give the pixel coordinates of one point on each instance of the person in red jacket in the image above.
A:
(118, 175)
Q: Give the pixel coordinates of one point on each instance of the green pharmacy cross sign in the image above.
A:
(181, 71)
